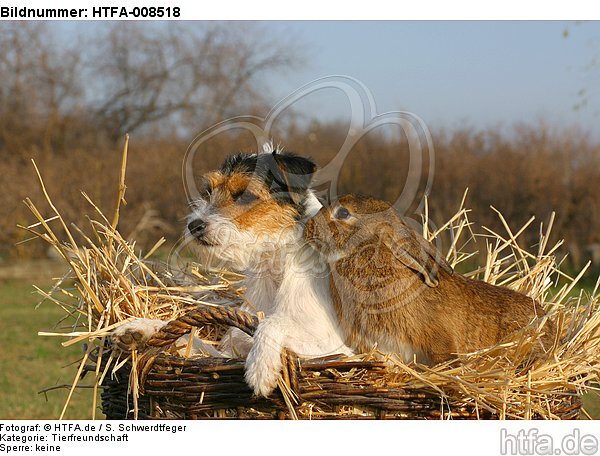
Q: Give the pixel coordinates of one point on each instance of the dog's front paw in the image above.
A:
(133, 335)
(263, 364)
(262, 372)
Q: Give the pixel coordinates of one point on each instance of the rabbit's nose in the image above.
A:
(196, 227)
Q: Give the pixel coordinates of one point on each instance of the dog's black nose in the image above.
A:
(197, 227)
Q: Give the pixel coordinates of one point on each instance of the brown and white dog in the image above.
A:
(251, 216)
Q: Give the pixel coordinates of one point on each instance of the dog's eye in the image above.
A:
(245, 197)
(342, 213)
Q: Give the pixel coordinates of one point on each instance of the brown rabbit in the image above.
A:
(393, 289)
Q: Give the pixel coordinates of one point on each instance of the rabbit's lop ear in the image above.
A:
(416, 253)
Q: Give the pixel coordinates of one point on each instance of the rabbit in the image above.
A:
(393, 289)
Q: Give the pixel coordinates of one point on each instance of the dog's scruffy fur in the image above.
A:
(394, 290)
(250, 217)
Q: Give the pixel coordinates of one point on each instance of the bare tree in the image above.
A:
(40, 84)
(588, 94)
(187, 75)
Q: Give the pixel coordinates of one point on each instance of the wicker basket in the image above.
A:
(172, 387)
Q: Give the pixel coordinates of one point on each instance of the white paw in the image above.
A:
(133, 335)
(263, 364)
(262, 373)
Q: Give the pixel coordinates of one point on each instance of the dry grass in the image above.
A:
(114, 283)
(505, 379)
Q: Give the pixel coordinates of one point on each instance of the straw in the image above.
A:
(115, 283)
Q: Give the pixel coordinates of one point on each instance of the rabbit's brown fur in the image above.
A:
(393, 289)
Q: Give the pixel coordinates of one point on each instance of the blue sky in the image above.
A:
(453, 74)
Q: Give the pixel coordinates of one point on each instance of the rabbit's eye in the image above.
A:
(342, 213)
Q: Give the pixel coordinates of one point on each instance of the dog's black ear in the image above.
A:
(290, 176)
(296, 171)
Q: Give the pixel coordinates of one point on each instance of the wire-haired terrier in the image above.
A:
(250, 215)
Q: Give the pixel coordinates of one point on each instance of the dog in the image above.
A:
(251, 215)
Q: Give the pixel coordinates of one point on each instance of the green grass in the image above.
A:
(591, 404)
(29, 363)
